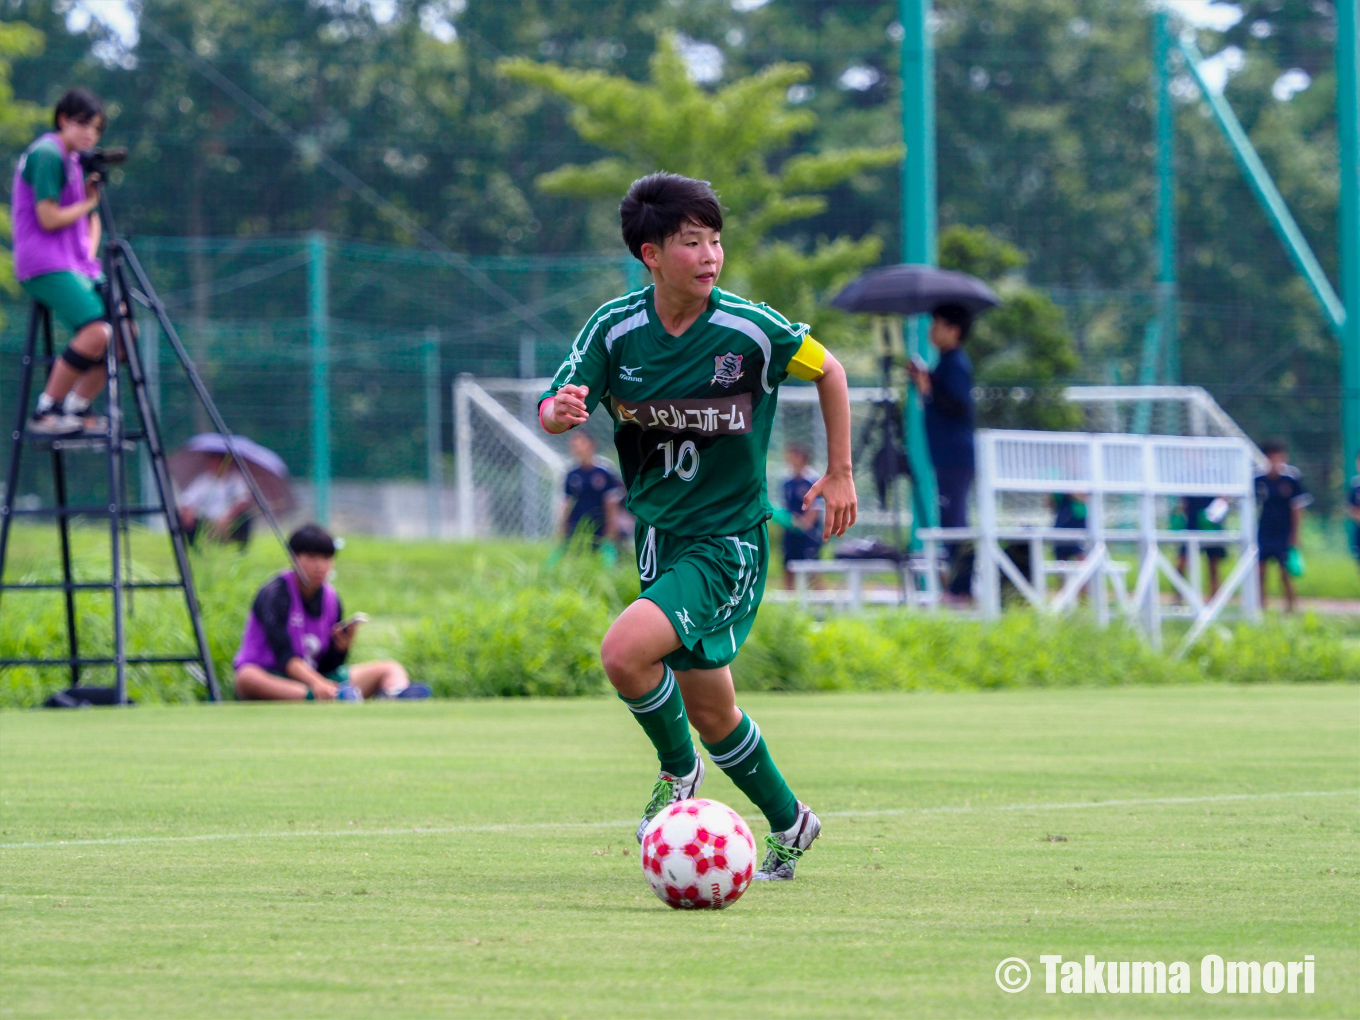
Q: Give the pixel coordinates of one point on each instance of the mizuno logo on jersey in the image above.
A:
(629, 374)
(685, 621)
(708, 416)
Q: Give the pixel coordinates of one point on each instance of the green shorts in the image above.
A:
(72, 297)
(709, 588)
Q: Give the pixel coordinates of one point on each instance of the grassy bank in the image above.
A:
(496, 618)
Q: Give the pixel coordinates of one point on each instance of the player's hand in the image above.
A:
(837, 490)
(324, 690)
(567, 409)
(343, 637)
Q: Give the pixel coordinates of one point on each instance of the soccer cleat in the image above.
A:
(55, 423)
(783, 849)
(348, 692)
(670, 789)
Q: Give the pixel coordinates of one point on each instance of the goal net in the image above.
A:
(510, 473)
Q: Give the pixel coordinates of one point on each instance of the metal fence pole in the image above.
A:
(1167, 314)
(462, 445)
(918, 223)
(1348, 135)
(528, 477)
(318, 315)
(151, 372)
(434, 454)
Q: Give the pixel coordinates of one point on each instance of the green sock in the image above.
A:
(742, 754)
(661, 714)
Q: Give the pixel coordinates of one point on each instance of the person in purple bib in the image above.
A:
(56, 260)
(296, 640)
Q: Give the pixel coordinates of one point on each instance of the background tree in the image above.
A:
(730, 137)
(18, 123)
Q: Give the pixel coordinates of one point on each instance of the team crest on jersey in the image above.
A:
(726, 369)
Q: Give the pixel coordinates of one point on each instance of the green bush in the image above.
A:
(1301, 649)
(521, 643)
(505, 619)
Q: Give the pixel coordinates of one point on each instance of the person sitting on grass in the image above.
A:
(217, 503)
(1280, 499)
(296, 642)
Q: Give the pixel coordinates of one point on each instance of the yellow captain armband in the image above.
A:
(807, 363)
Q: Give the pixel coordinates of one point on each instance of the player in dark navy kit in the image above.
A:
(1280, 499)
(803, 533)
(593, 493)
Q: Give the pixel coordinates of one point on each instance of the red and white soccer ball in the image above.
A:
(698, 855)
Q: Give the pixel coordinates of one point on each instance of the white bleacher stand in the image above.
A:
(1125, 481)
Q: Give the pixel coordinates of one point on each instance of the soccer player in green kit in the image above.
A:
(690, 375)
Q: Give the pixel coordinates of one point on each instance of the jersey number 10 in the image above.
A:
(686, 469)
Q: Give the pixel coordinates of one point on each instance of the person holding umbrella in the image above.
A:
(953, 300)
(947, 396)
(214, 496)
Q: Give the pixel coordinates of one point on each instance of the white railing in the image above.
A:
(1122, 479)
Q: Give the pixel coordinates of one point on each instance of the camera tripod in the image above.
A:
(882, 439)
(116, 441)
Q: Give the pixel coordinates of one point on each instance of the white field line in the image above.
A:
(454, 830)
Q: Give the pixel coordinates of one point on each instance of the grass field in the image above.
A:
(476, 857)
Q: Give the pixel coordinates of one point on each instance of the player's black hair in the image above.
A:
(312, 538)
(79, 105)
(1272, 446)
(956, 315)
(658, 205)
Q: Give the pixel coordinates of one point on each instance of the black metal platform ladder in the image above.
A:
(115, 443)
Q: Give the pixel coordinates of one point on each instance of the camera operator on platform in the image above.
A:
(56, 246)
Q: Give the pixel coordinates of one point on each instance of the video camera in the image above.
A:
(98, 161)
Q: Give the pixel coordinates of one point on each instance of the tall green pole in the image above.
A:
(434, 451)
(1167, 312)
(918, 223)
(1348, 131)
(318, 316)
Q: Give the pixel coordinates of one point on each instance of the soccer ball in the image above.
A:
(698, 855)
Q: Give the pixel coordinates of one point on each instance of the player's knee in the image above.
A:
(621, 662)
(93, 339)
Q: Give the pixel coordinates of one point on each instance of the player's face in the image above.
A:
(943, 335)
(689, 262)
(1277, 461)
(314, 568)
(582, 449)
(78, 137)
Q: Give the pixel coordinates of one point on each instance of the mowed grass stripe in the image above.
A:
(457, 830)
(1187, 851)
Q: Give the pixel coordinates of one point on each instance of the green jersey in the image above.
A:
(692, 413)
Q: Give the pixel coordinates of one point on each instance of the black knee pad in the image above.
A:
(78, 361)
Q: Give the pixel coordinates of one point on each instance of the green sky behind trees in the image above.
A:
(1044, 136)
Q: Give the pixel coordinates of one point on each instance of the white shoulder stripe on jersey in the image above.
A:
(721, 318)
(577, 354)
(626, 326)
(788, 327)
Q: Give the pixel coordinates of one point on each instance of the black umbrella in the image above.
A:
(915, 290)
